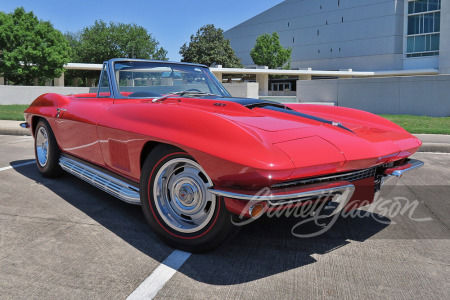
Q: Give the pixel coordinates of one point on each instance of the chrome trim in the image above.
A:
(392, 175)
(59, 110)
(25, 125)
(347, 176)
(414, 165)
(101, 180)
(250, 210)
(298, 195)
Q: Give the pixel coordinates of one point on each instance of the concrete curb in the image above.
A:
(435, 147)
(13, 128)
(15, 131)
(431, 142)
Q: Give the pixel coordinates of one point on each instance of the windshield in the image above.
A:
(157, 79)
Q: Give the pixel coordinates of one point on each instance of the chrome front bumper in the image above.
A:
(391, 175)
(340, 192)
(409, 165)
(334, 196)
(289, 195)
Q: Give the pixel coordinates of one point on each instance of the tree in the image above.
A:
(269, 52)
(102, 41)
(30, 48)
(209, 46)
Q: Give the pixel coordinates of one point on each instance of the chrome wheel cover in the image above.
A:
(182, 197)
(42, 146)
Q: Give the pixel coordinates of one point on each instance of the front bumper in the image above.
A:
(336, 193)
(391, 175)
(409, 165)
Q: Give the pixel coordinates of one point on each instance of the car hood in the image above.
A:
(352, 138)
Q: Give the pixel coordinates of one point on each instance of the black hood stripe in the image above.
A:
(276, 106)
(299, 114)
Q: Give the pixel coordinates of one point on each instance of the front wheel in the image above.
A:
(178, 205)
(46, 150)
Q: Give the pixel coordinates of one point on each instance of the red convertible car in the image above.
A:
(169, 137)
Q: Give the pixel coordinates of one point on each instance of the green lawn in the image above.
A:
(414, 124)
(12, 112)
(420, 124)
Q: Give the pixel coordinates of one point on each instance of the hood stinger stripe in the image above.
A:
(299, 114)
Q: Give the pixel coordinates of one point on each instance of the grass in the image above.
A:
(12, 112)
(421, 124)
(413, 124)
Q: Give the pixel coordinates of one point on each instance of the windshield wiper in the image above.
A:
(183, 93)
(191, 93)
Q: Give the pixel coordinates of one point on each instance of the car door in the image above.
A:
(77, 121)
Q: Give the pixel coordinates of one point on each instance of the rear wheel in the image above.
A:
(46, 150)
(178, 205)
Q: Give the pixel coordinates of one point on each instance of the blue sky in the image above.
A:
(170, 21)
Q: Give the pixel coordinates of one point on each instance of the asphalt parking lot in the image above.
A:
(61, 238)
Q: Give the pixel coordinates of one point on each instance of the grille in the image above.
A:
(347, 176)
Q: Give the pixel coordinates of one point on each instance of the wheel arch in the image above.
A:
(149, 147)
(34, 122)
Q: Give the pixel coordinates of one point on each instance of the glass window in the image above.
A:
(427, 42)
(419, 44)
(435, 42)
(414, 24)
(420, 6)
(410, 7)
(434, 5)
(428, 23)
(423, 28)
(410, 44)
(103, 89)
(437, 22)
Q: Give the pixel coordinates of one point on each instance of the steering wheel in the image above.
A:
(193, 90)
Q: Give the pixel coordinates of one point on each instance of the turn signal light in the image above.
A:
(256, 211)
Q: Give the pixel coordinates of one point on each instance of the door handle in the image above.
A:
(59, 110)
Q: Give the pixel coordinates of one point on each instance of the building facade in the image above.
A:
(363, 35)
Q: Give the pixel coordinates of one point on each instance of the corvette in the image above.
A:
(169, 137)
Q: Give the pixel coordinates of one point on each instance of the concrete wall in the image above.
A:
(243, 89)
(26, 94)
(330, 34)
(281, 94)
(417, 95)
(10, 94)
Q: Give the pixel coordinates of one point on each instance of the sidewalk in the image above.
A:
(431, 142)
(13, 128)
(434, 142)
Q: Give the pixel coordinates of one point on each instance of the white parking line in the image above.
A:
(18, 165)
(155, 282)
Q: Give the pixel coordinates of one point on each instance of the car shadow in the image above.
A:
(263, 248)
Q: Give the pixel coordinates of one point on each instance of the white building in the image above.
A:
(363, 35)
